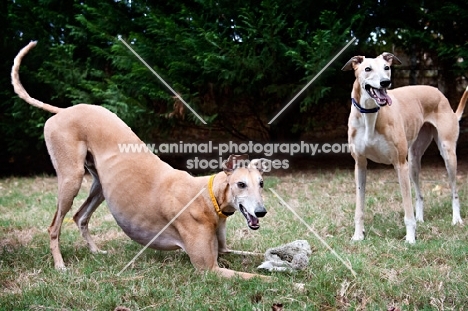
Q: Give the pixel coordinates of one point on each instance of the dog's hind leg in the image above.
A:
(402, 170)
(446, 141)
(94, 199)
(415, 154)
(68, 160)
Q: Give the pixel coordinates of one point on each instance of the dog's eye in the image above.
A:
(261, 183)
(368, 69)
(387, 68)
(241, 185)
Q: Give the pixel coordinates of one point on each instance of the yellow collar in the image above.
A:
(213, 199)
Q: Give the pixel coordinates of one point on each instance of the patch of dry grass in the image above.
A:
(430, 275)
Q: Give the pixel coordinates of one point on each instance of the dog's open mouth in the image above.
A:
(379, 95)
(252, 221)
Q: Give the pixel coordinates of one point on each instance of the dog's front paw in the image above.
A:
(358, 236)
(60, 268)
(95, 250)
(99, 251)
(457, 221)
(224, 251)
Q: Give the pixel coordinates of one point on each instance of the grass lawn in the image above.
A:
(430, 275)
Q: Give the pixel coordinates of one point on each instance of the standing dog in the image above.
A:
(389, 126)
(143, 193)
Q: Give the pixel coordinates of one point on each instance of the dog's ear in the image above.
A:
(235, 161)
(262, 165)
(392, 59)
(353, 63)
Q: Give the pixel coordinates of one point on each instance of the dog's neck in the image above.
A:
(222, 193)
(366, 102)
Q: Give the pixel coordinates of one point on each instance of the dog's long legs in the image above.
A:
(207, 260)
(405, 186)
(68, 157)
(360, 172)
(447, 150)
(95, 198)
(68, 187)
(221, 235)
(222, 246)
(415, 154)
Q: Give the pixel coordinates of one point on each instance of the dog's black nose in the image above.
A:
(385, 83)
(260, 212)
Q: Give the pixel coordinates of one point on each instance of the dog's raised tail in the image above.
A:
(462, 104)
(19, 89)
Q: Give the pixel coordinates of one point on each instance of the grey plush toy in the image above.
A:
(288, 257)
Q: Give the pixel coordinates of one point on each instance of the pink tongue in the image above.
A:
(389, 100)
(253, 221)
(383, 96)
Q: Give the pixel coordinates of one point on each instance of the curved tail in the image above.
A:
(462, 104)
(19, 89)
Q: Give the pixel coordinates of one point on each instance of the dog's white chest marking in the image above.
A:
(369, 142)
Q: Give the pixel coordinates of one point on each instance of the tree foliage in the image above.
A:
(237, 63)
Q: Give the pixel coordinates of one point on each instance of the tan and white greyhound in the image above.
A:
(396, 127)
(142, 192)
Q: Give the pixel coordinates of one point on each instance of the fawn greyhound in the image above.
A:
(396, 127)
(142, 192)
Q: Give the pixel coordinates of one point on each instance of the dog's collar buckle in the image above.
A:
(213, 199)
(362, 109)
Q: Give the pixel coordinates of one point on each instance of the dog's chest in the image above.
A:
(142, 228)
(370, 143)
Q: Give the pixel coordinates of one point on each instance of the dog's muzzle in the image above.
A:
(379, 94)
(252, 221)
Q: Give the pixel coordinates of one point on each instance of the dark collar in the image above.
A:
(362, 109)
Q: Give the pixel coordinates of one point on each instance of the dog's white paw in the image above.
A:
(359, 234)
(410, 235)
(456, 218)
(410, 230)
(457, 221)
(60, 268)
(223, 251)
(358, 237)
(419, 211)
(96, 250)
(419, 215)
